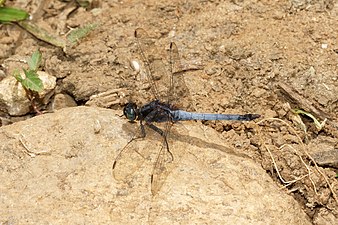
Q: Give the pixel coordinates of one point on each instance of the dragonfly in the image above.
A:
(169, 91)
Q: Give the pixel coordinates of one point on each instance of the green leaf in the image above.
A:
(8, 14)
(79, 33)
(32, 81)
(17, 75)
(35, 60)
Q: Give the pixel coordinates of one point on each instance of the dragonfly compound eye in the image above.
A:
(129, 111)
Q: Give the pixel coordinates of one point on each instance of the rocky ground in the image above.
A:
(266, 57)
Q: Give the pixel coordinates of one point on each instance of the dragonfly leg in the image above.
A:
(143, 132)
(158, 130)
(149, 118)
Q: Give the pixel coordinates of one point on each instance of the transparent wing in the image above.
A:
(180, 95)
(163, 71)
(154, 68)
(163, 164)
(129, 159)
(133, 155)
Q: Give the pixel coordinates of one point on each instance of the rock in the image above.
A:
(2, 75)
(49, 83)
(61, 164)
(13, 97)
(63, 101)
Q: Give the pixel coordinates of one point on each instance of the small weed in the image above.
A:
(75, 35)
(31, 83)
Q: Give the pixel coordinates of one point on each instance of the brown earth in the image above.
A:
(265, 57)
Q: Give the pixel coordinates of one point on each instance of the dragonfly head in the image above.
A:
(130, 111)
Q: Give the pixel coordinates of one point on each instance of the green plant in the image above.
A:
(31, 83)
(19, 17)
(8, 14)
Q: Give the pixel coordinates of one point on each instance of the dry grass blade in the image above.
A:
(305, 152)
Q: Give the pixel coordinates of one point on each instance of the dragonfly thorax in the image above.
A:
(154, 111)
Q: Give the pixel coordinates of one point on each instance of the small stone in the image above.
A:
(49, 83)
(13, 96)
(135, 66)
(63, 101)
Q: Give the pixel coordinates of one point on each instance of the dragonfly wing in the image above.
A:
(128, 160)
(154, 69)
(160, 171)
(163, 71)
(133, 155)
(163, 165)
(180, 95)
